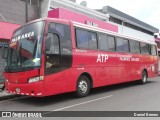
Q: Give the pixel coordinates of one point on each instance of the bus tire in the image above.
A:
(144, 77)
(83, 86)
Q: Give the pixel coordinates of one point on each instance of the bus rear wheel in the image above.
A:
(144, 77)
(83, 86)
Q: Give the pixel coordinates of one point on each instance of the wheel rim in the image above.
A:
(83, 86)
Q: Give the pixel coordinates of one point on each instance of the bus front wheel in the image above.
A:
(83, 86)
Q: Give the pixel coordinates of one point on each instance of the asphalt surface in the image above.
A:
(122, 97)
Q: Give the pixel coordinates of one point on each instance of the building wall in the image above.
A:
(132, 32)
(14, 11)
(44, 8)
(67, 4)
(137, 34)
(81, 18)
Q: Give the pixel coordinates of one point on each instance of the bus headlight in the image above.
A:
(35, 79)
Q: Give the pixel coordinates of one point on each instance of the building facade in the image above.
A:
(129, 25)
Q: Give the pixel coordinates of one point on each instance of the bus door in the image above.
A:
(58, 58)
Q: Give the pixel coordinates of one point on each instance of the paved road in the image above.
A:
(122, 97)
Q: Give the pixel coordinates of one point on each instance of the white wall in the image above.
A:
(137, 34)
(133, 33)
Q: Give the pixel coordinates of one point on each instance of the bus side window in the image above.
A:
(153, 50)
(86, 39)
(103, 42)
(144, 48)
(120, 45)
(92, 41)
(126, 45)
(111, 43)
(82, 39)
(134, 46)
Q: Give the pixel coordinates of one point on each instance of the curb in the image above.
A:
(6, 96)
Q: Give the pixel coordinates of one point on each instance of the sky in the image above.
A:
(147, 11)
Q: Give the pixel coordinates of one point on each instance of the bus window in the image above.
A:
(144, 48)
(103, 43)
(52, 44)
(153, 50)
(111, 43)
(92, 41)
(86, 40)
(134, 46)
(58, 28)
(64, 32)
(120, 46)
(126, 45)
(81, 37)
(52, 50)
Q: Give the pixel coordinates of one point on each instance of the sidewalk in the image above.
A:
(4, 95)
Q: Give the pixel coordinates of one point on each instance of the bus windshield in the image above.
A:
(25, 48)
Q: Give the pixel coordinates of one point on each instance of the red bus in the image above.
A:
(52, 56)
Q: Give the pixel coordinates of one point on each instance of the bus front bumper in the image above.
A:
(31, 89)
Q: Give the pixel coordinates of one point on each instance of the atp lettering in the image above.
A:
(102, 58)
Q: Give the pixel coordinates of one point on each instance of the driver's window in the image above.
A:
(52, 44)
(52, 51)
